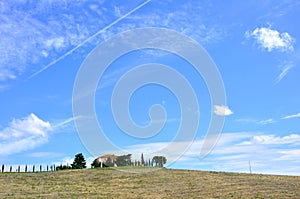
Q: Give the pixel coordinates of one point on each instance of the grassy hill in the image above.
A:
(164, 183)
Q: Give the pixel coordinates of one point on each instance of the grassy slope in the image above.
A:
(106, 183)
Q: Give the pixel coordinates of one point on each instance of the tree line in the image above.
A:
(125, 160)
(27, 168)
(79, 162)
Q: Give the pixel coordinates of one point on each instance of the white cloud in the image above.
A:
(6, 74)
(267, 121)
(117, 11)
(57, 43)
(222, 110)
(272, 39)
(290, 154)
(285, 68)
(44, 29)
(44, 53)
(188, 19)
(24, 134)
(291, 116)
(65, 123)
(267, 153)
(47, 30)
(272, 139)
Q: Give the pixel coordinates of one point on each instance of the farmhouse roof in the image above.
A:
(108, 156)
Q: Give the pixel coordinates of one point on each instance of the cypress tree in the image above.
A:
(142, 160)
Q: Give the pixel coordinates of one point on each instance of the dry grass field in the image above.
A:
(164, 183)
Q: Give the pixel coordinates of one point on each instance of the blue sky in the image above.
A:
(254, 44)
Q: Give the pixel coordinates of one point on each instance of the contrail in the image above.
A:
(88, 39)
(71, 119)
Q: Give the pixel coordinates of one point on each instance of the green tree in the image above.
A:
(109, 162)
(142, 160)
(63, 167)
(96, 163)
(159, 160)
(124, 160)
(79, 162)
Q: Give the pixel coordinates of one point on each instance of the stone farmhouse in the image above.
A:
(104, 158)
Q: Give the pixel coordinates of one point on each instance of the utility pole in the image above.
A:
(250, 169)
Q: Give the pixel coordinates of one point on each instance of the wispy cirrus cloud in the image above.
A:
(272, 139)
(267, 121)
(285, 69)
(291, 116)
(48, 31)
(271, 39)
(27, 38)
(64, 123)
(186, 19)
(33, 34)
(256, 121)
(268, 153)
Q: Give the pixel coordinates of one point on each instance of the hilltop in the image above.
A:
(163, 183)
